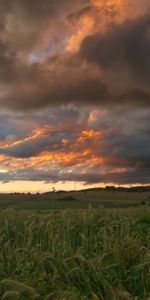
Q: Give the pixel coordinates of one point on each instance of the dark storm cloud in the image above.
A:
(37, 8)
(126, 150)
(52, 98)
(54, 82)
(134, 121)
(123, 49)
(29, 174)
(33, 147)
(7, 62)
(121, 150)
(121, 45)
(127, 177)
(22, 125)
(116, 71)
(23, 26)
(30, 18)
(21, 132)
(126, 138)
(122, 53)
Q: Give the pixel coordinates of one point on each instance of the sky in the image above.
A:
(74, 94)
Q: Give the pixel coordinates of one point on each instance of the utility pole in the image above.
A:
(75, 186)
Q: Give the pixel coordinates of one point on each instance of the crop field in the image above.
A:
(75, 254)
(80, 199)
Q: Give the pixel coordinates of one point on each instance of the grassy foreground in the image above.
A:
(93, 254)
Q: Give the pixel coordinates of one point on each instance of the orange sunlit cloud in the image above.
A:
(78, 150)
(108, 3)
(84, 27)
(78, 156)
(90, 20)
(33, 136)
(83, 153)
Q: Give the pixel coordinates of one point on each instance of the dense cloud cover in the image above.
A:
(122, 53)
(75, 92)
(30, 76)
(96, 145)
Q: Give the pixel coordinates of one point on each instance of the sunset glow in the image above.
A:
(109, 3)
(85, 26)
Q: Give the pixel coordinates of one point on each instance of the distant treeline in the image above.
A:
(138, 189)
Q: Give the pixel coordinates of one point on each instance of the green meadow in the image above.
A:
(79, 199)
(75, 254)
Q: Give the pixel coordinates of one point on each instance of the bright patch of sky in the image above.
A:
(57, 45)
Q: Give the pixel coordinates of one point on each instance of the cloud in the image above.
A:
(112, 65)
(121, 45)
(116, 72)
(94, 145)
(31, 18)
(75, 95)
(122, 54)
(57, 81)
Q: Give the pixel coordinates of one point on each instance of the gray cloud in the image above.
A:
(116, 70)
(110, 74)
(59, 81)
(122, 53)
(121, 45)
(25, 20)
(129, 177)
(32, 147)
(121, 150)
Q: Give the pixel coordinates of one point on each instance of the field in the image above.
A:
(75, 254)
(81, 199)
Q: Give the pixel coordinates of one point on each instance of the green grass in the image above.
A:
(75, 254)
(83, 199)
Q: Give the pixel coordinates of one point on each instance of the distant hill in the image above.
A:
(139, 189)
(96, 197)
(136, 189)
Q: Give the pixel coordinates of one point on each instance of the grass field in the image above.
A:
(81, 199)
(75, 254)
